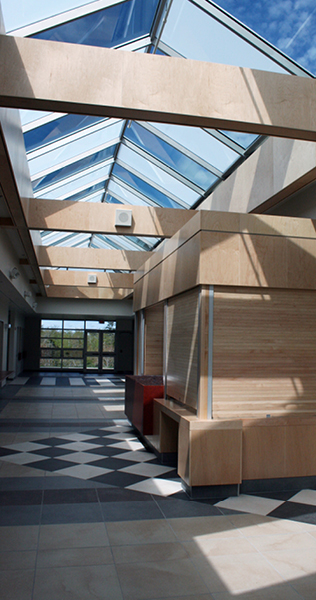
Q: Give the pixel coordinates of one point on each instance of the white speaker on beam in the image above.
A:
(92, 278)
(123, 217)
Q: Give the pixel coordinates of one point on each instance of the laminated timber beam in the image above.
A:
(90, 258)
(80, 279)
(63, 215)
(55, 76)
(91, 293)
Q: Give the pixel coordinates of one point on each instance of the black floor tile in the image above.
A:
(72, 496)
(52, 452)
(51, 464)
(22, 483)
(119, 479)
(117, 494)
(296, 512)
(21, 497)
(7, 452)
(111, 463)
(175, 508)
(106, 451)
(71, 513)
(130, 511)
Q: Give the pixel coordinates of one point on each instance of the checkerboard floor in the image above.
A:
(86, 511)
(110, 455)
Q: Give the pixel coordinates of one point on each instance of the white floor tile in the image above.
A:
(26, 446)
(84, 471)
(147, 469)
(81, 457)
(19, 381)
(158, 487)
(136, 456)
(305, 497)
(23, 458)
(123, 436)
(251, 504)
(77, 437)
(48, 381)
(76, 381)
(80, 446)
(128, 445)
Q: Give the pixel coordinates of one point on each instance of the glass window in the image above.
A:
(101, 325)
(170, 156)
(243, 139)
(65, 190)
(75, 167)
(110, 27)
(56, 130)
(193, 33)
(157, 176)
(108, 342)
(201, 144)
(88, 143)
(145, 188)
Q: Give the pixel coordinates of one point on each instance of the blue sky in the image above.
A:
(290, 25)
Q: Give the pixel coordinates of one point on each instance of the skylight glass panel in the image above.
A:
(157, 176)
(107, 28)
(78, 184)
(18, 14)
(87, 192)
(85, 144)
(145, 188)
(56, 130)
(121, 194)
(201, 144)
(193, 33)
(170, 156)
(28, 116)
(75, 167)
(243, 139)
(64, 238)
(290, 26)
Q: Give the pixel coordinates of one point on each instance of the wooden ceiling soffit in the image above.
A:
(64, 215)
(55, 76)
(90, 258)
(81, 279)
(96, 293)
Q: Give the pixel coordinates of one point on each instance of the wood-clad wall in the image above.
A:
(264, 353)
(182, 348)
(154, 324)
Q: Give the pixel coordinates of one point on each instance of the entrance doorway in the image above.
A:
(99, 351)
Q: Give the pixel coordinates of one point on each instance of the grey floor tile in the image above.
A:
(71, 513)
(130, 511)
(77, 583)
(17, 515)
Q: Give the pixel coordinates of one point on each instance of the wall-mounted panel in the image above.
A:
(182, 348)
(264, 353)
(154, 324)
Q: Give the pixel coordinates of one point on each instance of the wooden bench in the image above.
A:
(208, 451)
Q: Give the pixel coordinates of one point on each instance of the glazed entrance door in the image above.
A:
(99, 353)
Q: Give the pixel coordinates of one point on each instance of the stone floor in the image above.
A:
(88, 513)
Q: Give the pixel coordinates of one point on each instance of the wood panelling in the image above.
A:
(264, 353)
(182, 348)
(48, 75)
(154, 324)
(66, 215)
(279, 447)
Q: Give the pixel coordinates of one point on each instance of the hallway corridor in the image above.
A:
(88, 513)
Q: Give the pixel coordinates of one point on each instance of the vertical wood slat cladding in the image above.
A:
(154, 323)
(264, 353)
(182, 348)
